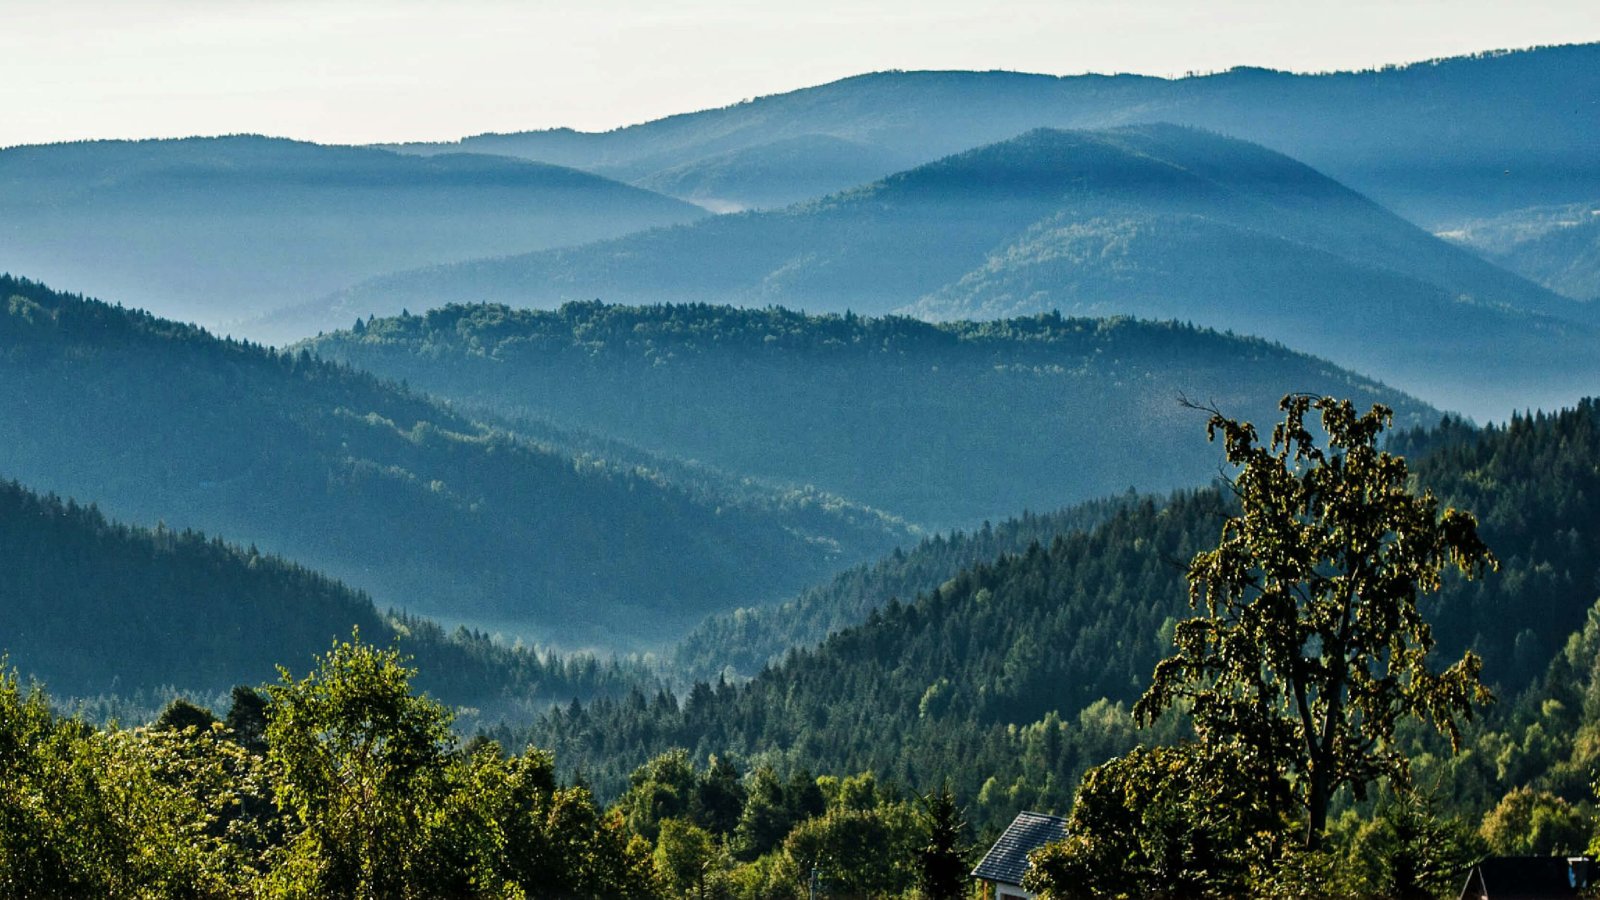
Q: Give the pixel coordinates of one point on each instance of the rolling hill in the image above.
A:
(1439, 141)
(1151, 221)
(943, 425)
(219, 230)
(96, 608)
(420, 506)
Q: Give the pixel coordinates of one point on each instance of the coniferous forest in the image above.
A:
(779, 500)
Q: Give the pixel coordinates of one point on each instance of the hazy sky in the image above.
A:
(378, 70)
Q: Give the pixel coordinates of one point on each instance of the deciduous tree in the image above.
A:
(1311, 646)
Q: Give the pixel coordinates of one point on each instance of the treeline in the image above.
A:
(944, 425)
(344, 783)
(382, 488)
(97, 608)
(1012, 677)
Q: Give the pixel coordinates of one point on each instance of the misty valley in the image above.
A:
(926, 484)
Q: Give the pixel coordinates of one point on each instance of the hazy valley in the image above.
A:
(776, 500)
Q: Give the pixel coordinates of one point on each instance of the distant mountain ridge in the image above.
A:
(219, 230)
(1558, 247)
(1153, 221)
(942, 425)
(777, 174)
(425, 509)
(1439, 141)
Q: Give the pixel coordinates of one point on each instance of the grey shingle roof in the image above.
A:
(1007, 861)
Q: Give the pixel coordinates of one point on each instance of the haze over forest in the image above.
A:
(784, 496)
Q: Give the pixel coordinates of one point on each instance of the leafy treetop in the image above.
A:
(1312, 647)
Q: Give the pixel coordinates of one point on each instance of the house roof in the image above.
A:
(1007, 861)
(1526, 878)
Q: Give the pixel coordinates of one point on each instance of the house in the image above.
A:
(1007, 861)
(1530, 878)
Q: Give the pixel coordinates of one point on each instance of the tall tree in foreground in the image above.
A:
(1312, 647)
(942, 863)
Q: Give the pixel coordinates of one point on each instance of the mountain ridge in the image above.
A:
(905, 242)
(221, 230)
(1379, 129)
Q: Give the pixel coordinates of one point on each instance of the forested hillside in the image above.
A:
(188, 803)
(218, 230)
(1558, 247)
(944, 425)
(1151, 221)
(744, 641)
(1017, 670)
(97, 608)
(1440, 140)
(1010, 678)
(418, 505)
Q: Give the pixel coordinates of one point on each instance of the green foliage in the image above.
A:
(360, 761)
(1035, 656)
(942, 862)
(181, 714)
(1402, 848)
(765, 819)
(357, 791)
(1536, 823)
(719, 797)
(1028, 644)
(662, 789)
(1312, 647)
(144, 813)
(1535, 488)
(688, 860)
(1188, 821)
(852, 853)
(750, 638)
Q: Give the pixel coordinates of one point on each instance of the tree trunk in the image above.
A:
(1317, 804)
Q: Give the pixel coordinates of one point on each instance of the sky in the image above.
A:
(364, 71)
